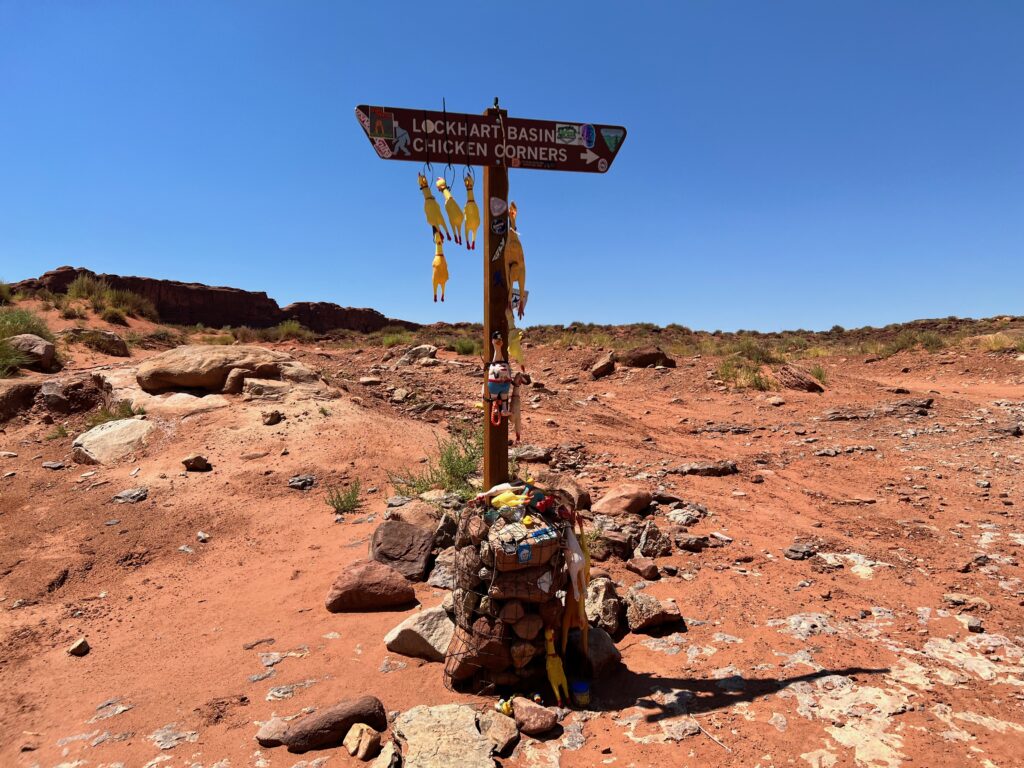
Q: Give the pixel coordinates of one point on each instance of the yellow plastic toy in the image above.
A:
(440, 276)
(472, 213)
(451, 206)
(556, 675)
(431, 207)
(515, 262)
(509, 499)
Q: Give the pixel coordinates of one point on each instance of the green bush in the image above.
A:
(289, 329)
(344, 500)
(131, 303)
(819, 373)
(113, 315)
(123, 410)
(15, 321)
(6, 295)
(58, 432)
(459, 457)
(11, 360)
(467, 346)
(87, 287)
(931, 341)
(101, 295)
(71, 312)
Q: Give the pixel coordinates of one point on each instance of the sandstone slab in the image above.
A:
(111, 441)
(442, 737)
(425, 635)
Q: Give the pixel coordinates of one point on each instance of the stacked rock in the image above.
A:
(510, 577)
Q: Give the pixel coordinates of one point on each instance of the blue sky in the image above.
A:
(789, 164)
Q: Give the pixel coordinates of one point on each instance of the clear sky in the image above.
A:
(789, 164)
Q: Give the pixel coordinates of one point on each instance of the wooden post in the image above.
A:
(495, 302)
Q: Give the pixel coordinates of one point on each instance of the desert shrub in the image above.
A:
(728, 370)
(757, 352)
(219, 339)
(1019, 346)
(289, 329)
(58, 432)
(72, 312)
(122, 410)
(6, 294)
(931, 341)
(467, 346)
(11, 360)
(458, 459)
(15, 321)
(757, 380)
(114, 315)
(132, 304)
(904, 340)
(87, 287)
(997, 342)
(819, 373)
(344, 500)
(245, 335)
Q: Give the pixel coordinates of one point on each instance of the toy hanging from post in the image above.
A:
(440, 266)
(515, 263)
(451, 206)
(432, 209)
(519, 380)
(472, 214)
(498, 387)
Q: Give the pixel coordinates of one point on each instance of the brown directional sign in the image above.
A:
(440, 138)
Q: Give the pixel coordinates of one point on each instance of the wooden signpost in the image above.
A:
(496, 142)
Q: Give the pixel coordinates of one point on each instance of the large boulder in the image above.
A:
(418, 513)
(644, 357)
(369, 586)
(792, 377)
(41, 354)
(403, 546)
(16, 396)
(328, 727)
(105, 342)
(70, 395)
(604, 656)
(442, 737)
(207, 367)
(625, 499)
(425, 635)
(111, 441)
(417, 353)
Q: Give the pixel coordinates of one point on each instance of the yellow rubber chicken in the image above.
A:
(431, 207)
(451, 206)
(515, 261)
(556, 675)
(509, 499)
(472, 214)
(440, 276)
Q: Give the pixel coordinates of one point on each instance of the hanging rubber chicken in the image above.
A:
(440, 276)
(556, 675)
(430, 207)
(451, 206)
(578, 565)
(515, 262)
(472, 213)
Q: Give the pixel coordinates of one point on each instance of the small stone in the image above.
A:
(644, 567)
(271, 418)
(973, 624)
(400, 395)
(80, 647)
(202, 537)
(500, 729)
(532, 718)
(301, 482)
(53, 465)
(195, 462)
(271, 733)
(362, 741)
(131, 496)
(799, 550)
(424, 635)
(775, 401)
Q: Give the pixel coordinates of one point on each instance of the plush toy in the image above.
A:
(498, 387)
(440, 276)
(451, 206)
(515, 262)
(431, 207)
(556, 675)
(472, 213)
(519, 380)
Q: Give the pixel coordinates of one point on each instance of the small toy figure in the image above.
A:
(504, 706)
(515, 263)
(431, 207)
(498, 388)
(440, 276)
(472, 213)
(451, 206)
(556, 675)
(520, 379)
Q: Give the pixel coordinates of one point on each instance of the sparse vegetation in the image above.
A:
(6, 295)
(998, 342)
(102, 297)
(15, 321)
(467, 347)
(114, 315)
(72, 312)
(287, 329)
(123, 410)
(458, 458)
(323, 411)
(11, 360)
(60, 431)
(220, 339)
(819, 373)
(344, 500)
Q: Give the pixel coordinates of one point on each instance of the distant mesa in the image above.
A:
(217, 306)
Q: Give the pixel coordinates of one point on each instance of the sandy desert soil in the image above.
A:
(861, 655)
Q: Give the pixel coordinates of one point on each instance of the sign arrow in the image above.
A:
(590, 156)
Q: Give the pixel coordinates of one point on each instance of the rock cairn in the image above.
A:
(510, 581)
